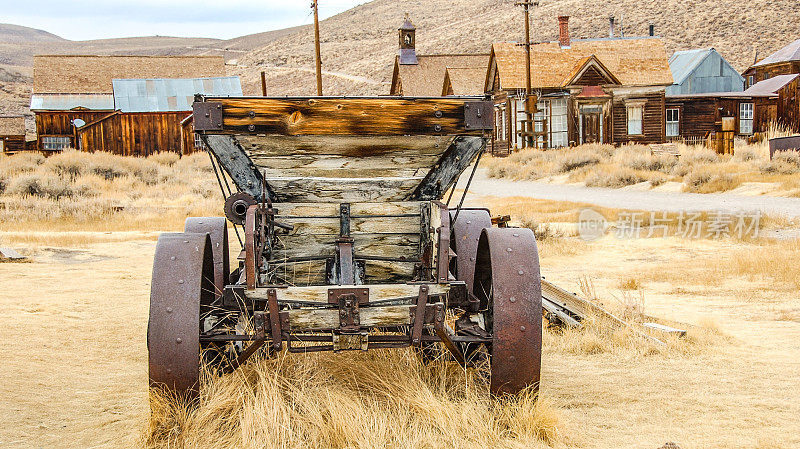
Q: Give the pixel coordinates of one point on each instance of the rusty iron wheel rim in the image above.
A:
(217, 229)
(465, 235)
(508, 280)
(182, 289)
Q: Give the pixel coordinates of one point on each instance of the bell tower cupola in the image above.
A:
(408, 42)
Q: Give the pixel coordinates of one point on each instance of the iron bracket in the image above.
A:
(479, 115)
(207, 116)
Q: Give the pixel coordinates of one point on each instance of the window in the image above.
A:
(766, 76)
(673, 122)
(558, 123)
(56, 143)
(745, 118)
(198, 143)
(750, 81)
(635, 120)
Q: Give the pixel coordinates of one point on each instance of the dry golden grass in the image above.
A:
(384, 398)
(104, 192)
(699, 170)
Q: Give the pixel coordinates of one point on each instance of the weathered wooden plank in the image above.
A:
(342, 190)
(237, 164)
(380, 245)
(330, 226)
(322, 319)
(377, 292)
(313, 272)
(345, 167)
(447, 170)
(356, 209)
(351, 116)
(269, 146)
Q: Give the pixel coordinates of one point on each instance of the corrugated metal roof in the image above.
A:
(790, 52)
(65, 102)
(682, 63)
(166, 95)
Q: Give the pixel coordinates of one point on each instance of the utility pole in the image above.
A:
(315, 7)
(528, 129)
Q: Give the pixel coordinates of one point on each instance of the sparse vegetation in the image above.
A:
(698, 169)
(104, 191)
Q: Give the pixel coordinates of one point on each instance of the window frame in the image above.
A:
(743, 119)
(51, 142)
(629, 122)
(676, 122)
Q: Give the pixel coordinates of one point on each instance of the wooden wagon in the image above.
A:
(347, 243)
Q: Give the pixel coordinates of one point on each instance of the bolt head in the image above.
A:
(522, 328)
(520, 272)
(512, 299)
(179, 340)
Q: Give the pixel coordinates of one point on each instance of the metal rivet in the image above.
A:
(172, 258)
(520, 272)
(169, 309)
(512, 358)
(509, 249)
(469, 222)
(169, 371)
(178, 340)
(516, 235)
(180, 281)
(251, 128)
(185, 241)
(522, 328)
(199, 222)
(512, 299)
(472, 259)
(438, 127)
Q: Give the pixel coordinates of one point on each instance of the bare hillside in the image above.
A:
(362, 42)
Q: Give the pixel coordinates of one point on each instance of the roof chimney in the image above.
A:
(652, 30)
(610, 26)
(563, 31)
(407, 51)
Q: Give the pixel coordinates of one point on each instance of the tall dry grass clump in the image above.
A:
(102, 191)
(384, 398)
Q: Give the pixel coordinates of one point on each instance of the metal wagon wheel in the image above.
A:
(182, 289)
(508, 284)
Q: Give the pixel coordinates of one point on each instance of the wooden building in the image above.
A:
(702, 71)
(70, 90)
(785, 61)
(417, 75)
(608, 90)
(12, 134)
(692, 118)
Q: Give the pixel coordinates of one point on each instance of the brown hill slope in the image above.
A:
(362, 42)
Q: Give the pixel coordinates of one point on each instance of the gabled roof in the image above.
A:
(634, 61)
(683, 63)
(166, 95)
(425, 78)
(769, 87)
(465, 80)
(790, 52)
(12, 126)
(584, 65)
(85, 74)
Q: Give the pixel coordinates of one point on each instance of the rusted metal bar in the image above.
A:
(419, 318)
(274, 319)
(250, 271)
(445, 334)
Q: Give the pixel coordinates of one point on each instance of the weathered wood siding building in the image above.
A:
(12, 134)
(774, 100)
(608, 90)
(70, 90)
(785, 61)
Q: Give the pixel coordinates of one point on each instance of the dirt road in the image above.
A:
(630, 199)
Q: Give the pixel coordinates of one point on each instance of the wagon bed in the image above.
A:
(347, 244)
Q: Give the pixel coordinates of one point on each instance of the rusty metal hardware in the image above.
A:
(236, 207)
(479, 115)
(446, 334)
(443, 248)
(207, 116)
(419, 321)
(345, 268)
(274, 318)
(349, 300)
(250, 247)
(466, 233)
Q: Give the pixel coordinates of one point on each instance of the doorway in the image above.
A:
(591, 124)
